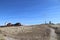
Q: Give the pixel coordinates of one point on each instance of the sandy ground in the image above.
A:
(53, 35)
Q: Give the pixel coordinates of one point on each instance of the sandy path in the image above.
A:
(53, 35)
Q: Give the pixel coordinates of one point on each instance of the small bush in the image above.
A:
(17, 24)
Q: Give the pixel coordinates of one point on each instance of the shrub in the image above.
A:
(17, 24)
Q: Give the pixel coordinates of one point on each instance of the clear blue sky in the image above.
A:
(29, 11)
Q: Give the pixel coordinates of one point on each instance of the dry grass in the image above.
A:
(35, 32)
(1, 37)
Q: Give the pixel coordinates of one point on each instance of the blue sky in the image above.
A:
(29, 11)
